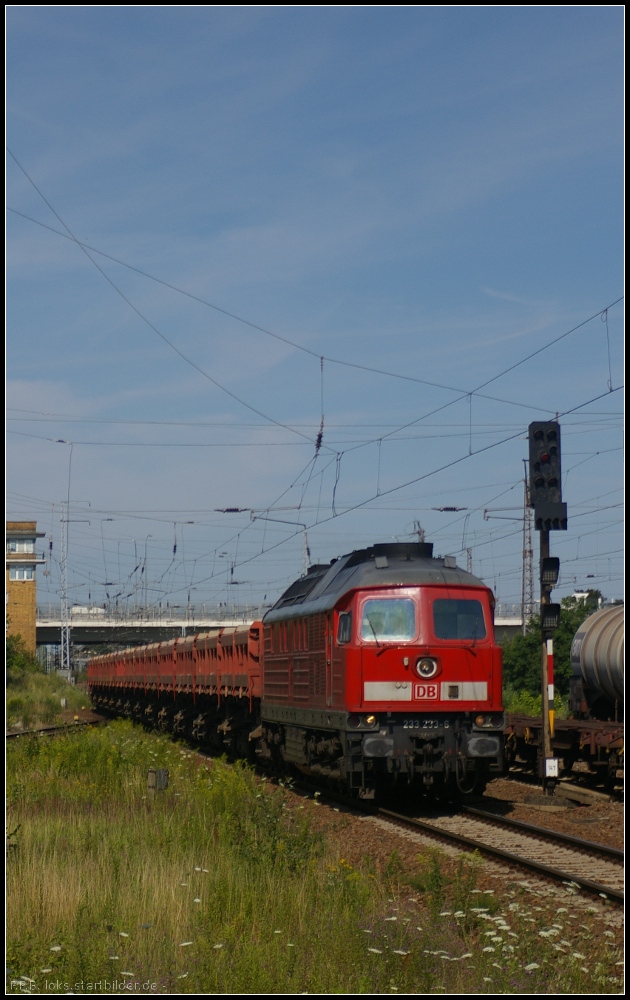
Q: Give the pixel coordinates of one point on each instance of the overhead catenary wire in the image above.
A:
(318, 442)
(410, 482)
(286, 340)
(148, 322)
(337, 454)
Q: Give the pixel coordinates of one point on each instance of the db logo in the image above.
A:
(425, 692)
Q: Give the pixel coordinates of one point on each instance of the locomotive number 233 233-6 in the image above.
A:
(425, 724)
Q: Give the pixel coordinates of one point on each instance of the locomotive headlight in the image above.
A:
(371, 720)
(426, 668)
(489, 721)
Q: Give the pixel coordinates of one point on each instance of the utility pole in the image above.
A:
(66, 661)
(527, 592)
(550, 514)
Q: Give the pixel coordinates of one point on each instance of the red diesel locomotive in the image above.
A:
(376, 669)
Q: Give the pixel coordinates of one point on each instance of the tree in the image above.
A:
(521, 655)
(19, 660)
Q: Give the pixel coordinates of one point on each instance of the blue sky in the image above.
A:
(424, 197)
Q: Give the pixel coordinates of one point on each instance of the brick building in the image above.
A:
(21, 586)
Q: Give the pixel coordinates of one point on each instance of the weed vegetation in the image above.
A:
(519, 701)
(216, 885)
(34, 697)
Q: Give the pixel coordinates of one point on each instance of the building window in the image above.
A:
(21, 573)
(21, 545)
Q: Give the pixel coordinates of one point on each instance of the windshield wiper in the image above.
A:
(369, 621)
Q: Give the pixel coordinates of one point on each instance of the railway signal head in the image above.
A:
(549, 571)
(549, 617)
(544, 462)
(545, 479)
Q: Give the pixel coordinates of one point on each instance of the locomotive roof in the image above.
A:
(385, 565)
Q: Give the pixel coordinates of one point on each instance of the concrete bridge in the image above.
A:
(135, 627)
(96, 626)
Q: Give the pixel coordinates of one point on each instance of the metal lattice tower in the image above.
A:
(65, 654)
(527, 594)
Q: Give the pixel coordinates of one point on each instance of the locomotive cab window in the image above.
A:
(344, 627)
(458, 619)
(388, 619)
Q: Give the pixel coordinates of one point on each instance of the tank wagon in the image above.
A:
(377, 669)
(592, 741)
(597, 665)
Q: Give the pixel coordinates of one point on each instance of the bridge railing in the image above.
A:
(186, 615)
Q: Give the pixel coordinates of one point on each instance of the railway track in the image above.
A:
(70, 727)
(594, 868)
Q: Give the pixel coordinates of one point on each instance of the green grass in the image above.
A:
(34, 697)
(218, 885)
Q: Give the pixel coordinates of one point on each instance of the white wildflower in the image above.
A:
(531, 967)
(396, 918)
(467, 955)
(56, 947)
(488, 948)
(400, 951)
(446, 913)
(608, 934)
(184, 944)
(375, 951)
(183, 975)
(216, 946)
(122, 934)
(578, 954)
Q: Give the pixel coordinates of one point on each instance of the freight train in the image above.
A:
(375, 670)
(591, 742)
